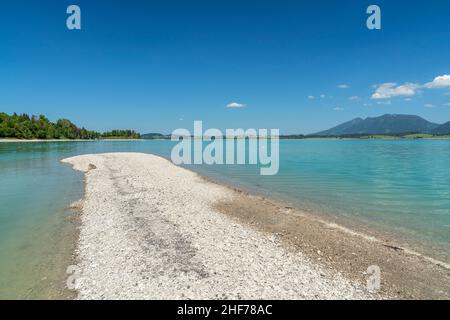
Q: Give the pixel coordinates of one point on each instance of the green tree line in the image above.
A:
(24, 126)
(127, 134)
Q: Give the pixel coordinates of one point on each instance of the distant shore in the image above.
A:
(150, 229)
(375, 138)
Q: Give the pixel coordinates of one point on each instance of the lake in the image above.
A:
(397, 187)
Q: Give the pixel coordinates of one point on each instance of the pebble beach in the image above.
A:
(153, 230)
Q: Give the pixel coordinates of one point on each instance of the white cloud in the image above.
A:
(311, 97)
(354, 98)
(447, 104)
(338, 109)
(390, 89)
(235, 105)
(439, 82)
(322, 96)
(343, 86)
(384, 102)
(407, 99)
(429, 105)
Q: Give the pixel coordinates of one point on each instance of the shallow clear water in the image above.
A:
(402, 187)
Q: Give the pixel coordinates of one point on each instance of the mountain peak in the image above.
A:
(385, 124)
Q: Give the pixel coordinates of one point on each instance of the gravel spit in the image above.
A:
(149, 230)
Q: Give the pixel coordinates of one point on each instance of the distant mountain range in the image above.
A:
(442, 129)
(387, 124)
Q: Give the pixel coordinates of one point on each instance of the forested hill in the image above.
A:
(24, 126)
(386, 124)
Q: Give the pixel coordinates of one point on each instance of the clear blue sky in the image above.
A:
(155, 66)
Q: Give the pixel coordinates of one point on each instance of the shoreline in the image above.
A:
(437, 138)
(339, 247)
(426, 249)
(360, 228)
(325, 246)
(246, 207)
(43, 140)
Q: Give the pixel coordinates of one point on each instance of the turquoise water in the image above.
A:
(401, 187)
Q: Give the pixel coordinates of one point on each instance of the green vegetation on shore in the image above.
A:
(24, 126)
